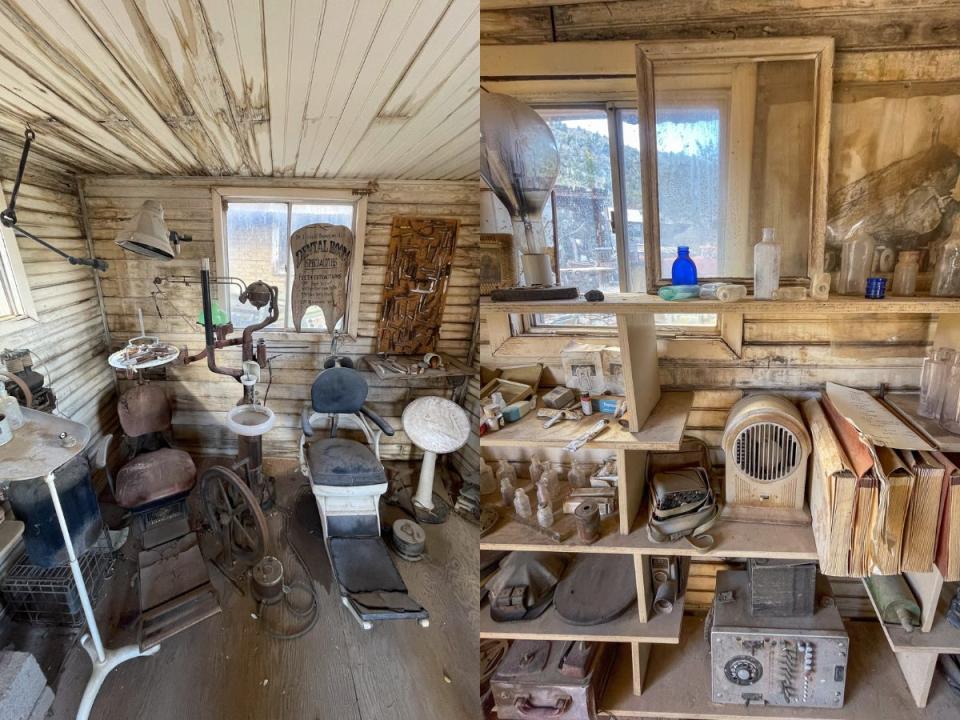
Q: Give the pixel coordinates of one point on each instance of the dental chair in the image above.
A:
(347, 480)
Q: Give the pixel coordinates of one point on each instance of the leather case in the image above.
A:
(563, 680)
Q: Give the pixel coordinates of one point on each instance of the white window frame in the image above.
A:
(14, 286)
(222, 195)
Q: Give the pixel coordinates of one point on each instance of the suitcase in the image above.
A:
(563, 680)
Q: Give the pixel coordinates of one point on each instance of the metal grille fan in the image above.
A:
(766, 452)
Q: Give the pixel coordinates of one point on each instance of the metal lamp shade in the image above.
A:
(146, 233)
(519, 161)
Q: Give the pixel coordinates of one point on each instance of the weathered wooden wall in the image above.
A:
(202, 397)
(70, 337)
(896, 93)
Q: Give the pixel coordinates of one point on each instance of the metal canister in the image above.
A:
(266, 580)
(587, 517)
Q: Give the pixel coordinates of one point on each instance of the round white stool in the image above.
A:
(437, 426)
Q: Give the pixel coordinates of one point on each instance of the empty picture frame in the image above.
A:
(742, 128)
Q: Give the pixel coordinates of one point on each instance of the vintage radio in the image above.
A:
(561, 680)
(794, 661)
(766, 446)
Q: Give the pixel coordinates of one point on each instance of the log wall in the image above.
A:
(69, 337)
(201, 397)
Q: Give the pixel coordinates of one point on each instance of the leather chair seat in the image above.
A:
(343, 463)
(153, 477)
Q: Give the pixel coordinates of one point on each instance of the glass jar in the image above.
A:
(684, 270)
(950, 414)
(905, 274)
(856, 259)
(579, 475)
(544, 516)
(521, 504)
(933, 381)
(946, 275)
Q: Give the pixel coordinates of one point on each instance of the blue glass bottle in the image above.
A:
(684, 271)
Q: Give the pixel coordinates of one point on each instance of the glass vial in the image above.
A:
(684, 270)
(544, 516)
(856, 259)
(506, 491)
(521, 504)
(946, 275)
(537, 466)
(905, 274)
(950, 414)
(933, 381)
(766, 266)
(579, 475)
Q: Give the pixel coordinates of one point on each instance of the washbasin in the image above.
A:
(250, 420)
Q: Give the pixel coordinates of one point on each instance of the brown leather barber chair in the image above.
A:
(155, 475)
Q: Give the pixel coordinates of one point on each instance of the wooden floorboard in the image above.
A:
(228, 668)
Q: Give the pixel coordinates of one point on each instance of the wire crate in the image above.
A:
(48, 595)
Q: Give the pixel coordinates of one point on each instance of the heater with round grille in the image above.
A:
(766, 445)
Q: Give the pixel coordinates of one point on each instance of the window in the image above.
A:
(254, 244)
(600, 181)
(15, 299)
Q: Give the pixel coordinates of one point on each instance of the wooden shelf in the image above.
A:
(733, 540)
(627, 303)
(662, 431)
(905, 405)
(550, 626)
(942, 638)
(678, 685)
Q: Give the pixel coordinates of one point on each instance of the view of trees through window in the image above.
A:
(688, 155)
(258, 248)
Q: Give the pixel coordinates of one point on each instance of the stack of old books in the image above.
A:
(883, 500)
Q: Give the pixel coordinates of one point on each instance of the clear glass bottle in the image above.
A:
(856, 259)
(950, 413)
(544, 516)
(684, 270)
(946, 274)
(505, 469)
(766, 266)
(521, 504)
(11, 408)
(579, 475)
(488, 483)
(544, 492)
(537, 466)
(933, 381)
(506, 490)
(905, 274)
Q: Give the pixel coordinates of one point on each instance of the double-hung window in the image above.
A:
(15, 298)
(253, 243)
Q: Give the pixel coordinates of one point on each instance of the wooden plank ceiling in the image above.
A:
(310, 88)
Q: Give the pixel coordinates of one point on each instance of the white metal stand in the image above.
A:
(103, 660)
(424, 496)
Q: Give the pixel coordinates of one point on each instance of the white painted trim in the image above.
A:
(14, 273)
(222, 194)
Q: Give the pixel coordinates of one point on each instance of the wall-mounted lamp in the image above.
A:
(146, 234)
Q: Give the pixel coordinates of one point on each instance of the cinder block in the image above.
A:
(43, 705)
(22, 684)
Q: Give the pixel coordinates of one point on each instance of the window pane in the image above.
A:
(302, 215)
(258, 248)
(688, 169)
(583, 195)
(636, 260)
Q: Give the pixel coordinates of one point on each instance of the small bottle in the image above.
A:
(544, 516)
(905, 274)
(11, 408)
(856, 259)
(585, 404)
(950, 412)
(544, 494)
(551, 478)
(766, 266)
(579, 475)
(933, 381)
(946, 274)
(684, 270)
(506, 470)
(506, 490)
(488, 482)
(537, 466)
(521, 504)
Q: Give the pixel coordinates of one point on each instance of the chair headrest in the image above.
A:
(144, 409)
(338, 390)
